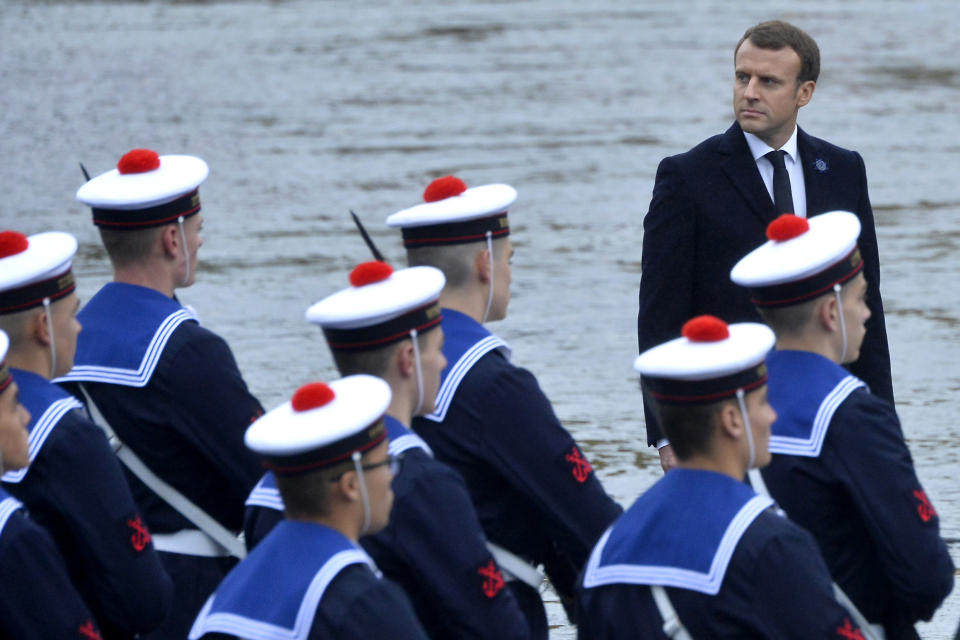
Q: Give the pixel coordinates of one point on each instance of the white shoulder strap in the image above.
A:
(180, 503)
(671, 621)
(515, 565)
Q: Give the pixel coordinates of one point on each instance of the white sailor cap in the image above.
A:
(711, 361)
(322, 425)
(381, 307)
(5, 377)
(454, 214)
(34, 269)
(802, 259)
(145, 190)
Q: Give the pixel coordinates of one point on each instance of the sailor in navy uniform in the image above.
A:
(169, 388)
(37, 599)
(309, 578)
(700, 554)
(98, 530)
(878, 531)
(533, 487)
(388, 324)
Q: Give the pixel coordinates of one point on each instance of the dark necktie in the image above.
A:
(782, 195)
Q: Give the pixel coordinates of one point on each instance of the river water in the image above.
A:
(307, 108)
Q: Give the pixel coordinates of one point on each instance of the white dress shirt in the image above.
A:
(759, 149)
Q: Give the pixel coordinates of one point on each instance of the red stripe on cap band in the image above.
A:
(126, 219)
(324, 462)
(33, 295)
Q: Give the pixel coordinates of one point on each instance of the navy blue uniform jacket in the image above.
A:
(862, 501)
(37, 599)
(186, 423)
(535, 492)
(307, 582)
(435, 549)
(776, 587)
(76, 490)
(710, 208)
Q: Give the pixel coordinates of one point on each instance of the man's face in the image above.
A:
(766, 96)
(502, 276)
(762, 416)
(855, 316)
(14, 419)
(66, 328)
(378, 482)
(432, 362)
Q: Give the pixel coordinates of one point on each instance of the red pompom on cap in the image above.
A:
(706, 329)
(12, 243)
(443, 188)
(787, 227)
(312, 396)
(138, 161)
(370, 272)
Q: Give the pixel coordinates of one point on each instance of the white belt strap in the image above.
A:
(189, 542)
(671, 621)
(869, 631)
(514, 567)
(218, 534)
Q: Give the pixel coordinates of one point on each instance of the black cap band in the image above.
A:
(672, 391)
(330, 455)
(135, 219)
(456, 232)
(791, 293)
(33, 295)
(379, 335)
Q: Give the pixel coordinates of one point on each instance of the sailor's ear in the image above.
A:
(170, 241)
(729, 421)
(481, 264)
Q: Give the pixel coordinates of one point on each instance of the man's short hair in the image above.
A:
(129, 247)
(15, 324)
(307, 495)
(788, 321)
(374, 362)
(690, 428)
(455, 260)
(776, 35)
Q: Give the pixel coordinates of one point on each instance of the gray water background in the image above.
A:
(305, 109)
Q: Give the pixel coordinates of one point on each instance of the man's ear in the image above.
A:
(404, 359)
(805, 93)
(37, 327)
(170, 239)
(481, 265)
(827, 314)
(349, 487)
(730, 421)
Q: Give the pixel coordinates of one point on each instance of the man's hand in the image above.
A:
(667, 458)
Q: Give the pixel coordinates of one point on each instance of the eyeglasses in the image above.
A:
(392, 460)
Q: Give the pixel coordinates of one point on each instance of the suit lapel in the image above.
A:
(738, 164)
(816, 174)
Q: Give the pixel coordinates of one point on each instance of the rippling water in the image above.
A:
(307, 108)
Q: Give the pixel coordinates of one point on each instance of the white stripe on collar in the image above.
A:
(708, 583)
(240, 626)
(41, 431)
(408, 441)
(459, 370)
(7, 507)
(810, 447)
(129, 377)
